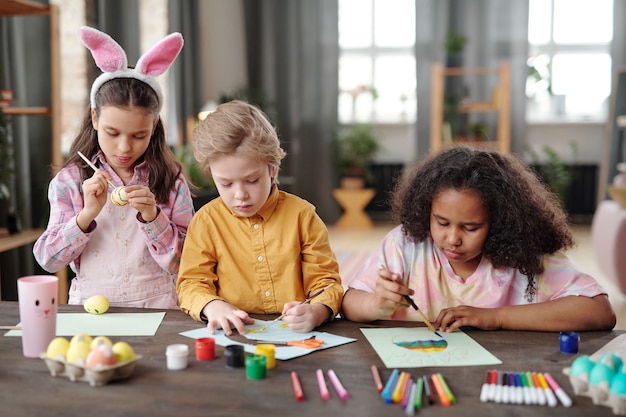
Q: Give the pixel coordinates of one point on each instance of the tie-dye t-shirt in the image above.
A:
(426, 270)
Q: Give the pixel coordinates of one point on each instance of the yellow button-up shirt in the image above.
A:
(257, 263)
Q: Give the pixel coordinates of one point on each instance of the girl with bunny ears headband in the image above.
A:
(131, 253)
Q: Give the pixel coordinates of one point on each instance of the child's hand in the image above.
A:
(389, 293)
(302, 318)
(95, 194)
(222, 315)
(453, 318)
(142, 199)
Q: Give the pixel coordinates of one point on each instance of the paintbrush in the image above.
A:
(301, 302)
(424, 318)
(95, 168)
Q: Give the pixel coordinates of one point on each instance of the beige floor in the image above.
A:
(582, 256)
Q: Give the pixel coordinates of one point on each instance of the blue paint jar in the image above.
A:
(569, 342)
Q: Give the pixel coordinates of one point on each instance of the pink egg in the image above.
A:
(101, 356)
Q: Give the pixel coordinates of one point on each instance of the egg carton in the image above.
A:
(600, 394)
(94, 376)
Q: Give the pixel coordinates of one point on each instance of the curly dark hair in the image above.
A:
(526, 218)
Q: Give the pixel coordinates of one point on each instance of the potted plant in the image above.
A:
(355, 149)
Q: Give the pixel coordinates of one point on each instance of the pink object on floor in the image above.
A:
(608, 238)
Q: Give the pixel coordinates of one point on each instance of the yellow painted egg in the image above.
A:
(57, 348)
(100, 357)
(100, 340)
(123, 352)
(81, 337)
(77, 352)
(96, 304)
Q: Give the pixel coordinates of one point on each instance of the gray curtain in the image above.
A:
(496, 31)
(293, 59)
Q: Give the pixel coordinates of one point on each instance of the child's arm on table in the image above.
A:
(575, 313)
(361, 306)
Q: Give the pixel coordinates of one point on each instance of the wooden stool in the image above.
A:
(353, 202)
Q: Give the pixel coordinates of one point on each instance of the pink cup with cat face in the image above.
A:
(37, 299)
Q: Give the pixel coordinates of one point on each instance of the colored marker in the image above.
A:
(407, 393)
(341, 391)
(297, 388)
(550, 398)
(498, 394)
(527, 389)
(493, 384)
(428, 390)
(505, 388)
(409, 408)
(418, 393)
(446, 388)
(484, 390)
(438, 388)
(541, 396)
(390, 386)
(377, 381)
(321, 383)
(562, 395)
(400, 387)
(532, 392)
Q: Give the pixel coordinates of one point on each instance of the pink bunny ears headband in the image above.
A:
(111, 59)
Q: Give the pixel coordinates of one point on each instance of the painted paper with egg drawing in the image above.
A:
(418, 347)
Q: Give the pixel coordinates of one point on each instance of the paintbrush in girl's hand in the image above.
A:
(301, 302)
(95, 168)
(424, 318)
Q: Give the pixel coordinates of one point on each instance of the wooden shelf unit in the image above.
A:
(500, 103)
(15, 8)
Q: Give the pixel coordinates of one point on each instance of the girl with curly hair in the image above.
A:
(479, 243)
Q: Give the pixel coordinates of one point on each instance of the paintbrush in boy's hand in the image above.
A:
(424, 318)
(301, 302)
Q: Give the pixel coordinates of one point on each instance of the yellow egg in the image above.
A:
(57, 348)
(81, 337)
(100, 340)
(96, 304)
(123, 352)
(77, 352)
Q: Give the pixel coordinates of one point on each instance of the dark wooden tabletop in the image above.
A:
(212, 389)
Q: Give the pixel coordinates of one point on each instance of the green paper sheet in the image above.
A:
(108, 324)
(461, 350)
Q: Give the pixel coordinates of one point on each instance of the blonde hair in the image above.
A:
(237, 129)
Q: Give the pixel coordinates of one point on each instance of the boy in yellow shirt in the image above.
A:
(255, 248)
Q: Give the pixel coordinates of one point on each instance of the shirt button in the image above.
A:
(267, 293)
(260, 259)
(256, 226)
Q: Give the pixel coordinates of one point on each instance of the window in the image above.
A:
(377, 61)
(570, 62)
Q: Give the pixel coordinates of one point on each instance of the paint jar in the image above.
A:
(569, 342)
(177, 356)
(234, 356)
(205, 349)
(268, 350)
(256, 366)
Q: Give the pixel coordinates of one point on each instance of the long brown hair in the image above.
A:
(128, 93)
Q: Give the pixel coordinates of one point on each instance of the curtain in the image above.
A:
(292, 54)
(496, 31)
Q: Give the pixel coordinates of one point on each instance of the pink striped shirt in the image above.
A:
(425, 269)
(130, 262)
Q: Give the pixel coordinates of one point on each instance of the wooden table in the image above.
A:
(211, 389)
(353, 202)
